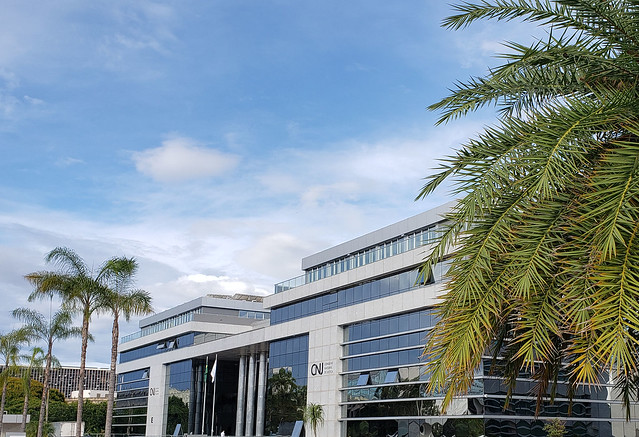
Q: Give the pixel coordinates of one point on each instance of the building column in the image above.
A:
(261, 396)
(250, 396)
(239, 415)
(197, 422)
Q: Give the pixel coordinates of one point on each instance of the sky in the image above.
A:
(218, 142)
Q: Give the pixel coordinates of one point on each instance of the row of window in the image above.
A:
(157, 348)
(130, 409)
(385, 359)
(162, 325)
(376, 253)
(253, 315)
(398, 324)
(372, 254)
(376, 289)
(291, 354)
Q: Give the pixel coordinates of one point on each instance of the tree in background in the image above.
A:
(58, 327)
(82, 291)
(177, 413)
(95, 418)
(283, 400)
(122, 300)
(33, 361)
(544, 241)
(10, 344)
(15, 396)
(32, 429)
(314, 416)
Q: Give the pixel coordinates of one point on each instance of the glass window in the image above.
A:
(384, 284)
(375, 292)
(383, 360)
(374, 328)
(373, 361)
(394, 284)
(349, 296)
(391, 377)
(358, 295)
(393, 324)
(366, 291)
(363, 379)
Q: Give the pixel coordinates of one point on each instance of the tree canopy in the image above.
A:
(544, 242)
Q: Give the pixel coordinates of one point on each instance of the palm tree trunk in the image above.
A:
(115, 333)
(83, 359)
(45, 389)
(25, 406)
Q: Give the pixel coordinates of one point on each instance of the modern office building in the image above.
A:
(349, 335)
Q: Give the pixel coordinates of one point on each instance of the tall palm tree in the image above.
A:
(10, 344)
(33, 361)
(545, 238)
(47, 330)
(314, 416)
(81, 290)
(122, 300)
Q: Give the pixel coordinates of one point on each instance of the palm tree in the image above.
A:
(10, 344)
(314, 416)
(34, 360)
(544, 242)
(121, 301)
(48, 330)
(81, 292)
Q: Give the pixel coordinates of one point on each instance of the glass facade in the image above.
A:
(158, 348)
(162, 325)
(363, 292)
(188, 397)
(385, 391)
(366, 256)
(130, 408)
(286, 385)
(177, 397)
(290, 354)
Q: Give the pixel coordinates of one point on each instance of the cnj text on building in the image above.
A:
(323, 368)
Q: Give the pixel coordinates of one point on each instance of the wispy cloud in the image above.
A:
(68, 162)
(182, 159)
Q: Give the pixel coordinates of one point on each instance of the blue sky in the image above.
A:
(218, 142)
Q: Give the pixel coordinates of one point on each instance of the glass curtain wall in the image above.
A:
(286, 385)
(130, 408)
(177, 396)
(385, 391)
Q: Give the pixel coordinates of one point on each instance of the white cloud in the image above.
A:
(182, 159)
(68, 161)
(33, 100)
(189, 287)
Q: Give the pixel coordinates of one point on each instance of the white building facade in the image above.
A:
(347, 335)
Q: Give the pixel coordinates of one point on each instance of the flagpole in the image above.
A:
(206, 377)
(213, 374)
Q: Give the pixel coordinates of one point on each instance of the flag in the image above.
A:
(214, 370)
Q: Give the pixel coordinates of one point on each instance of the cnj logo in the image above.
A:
(317, 369)
(325, 368)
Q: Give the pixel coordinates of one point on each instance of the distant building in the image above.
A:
(65, 379)
(94, 395)
(11, 424)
